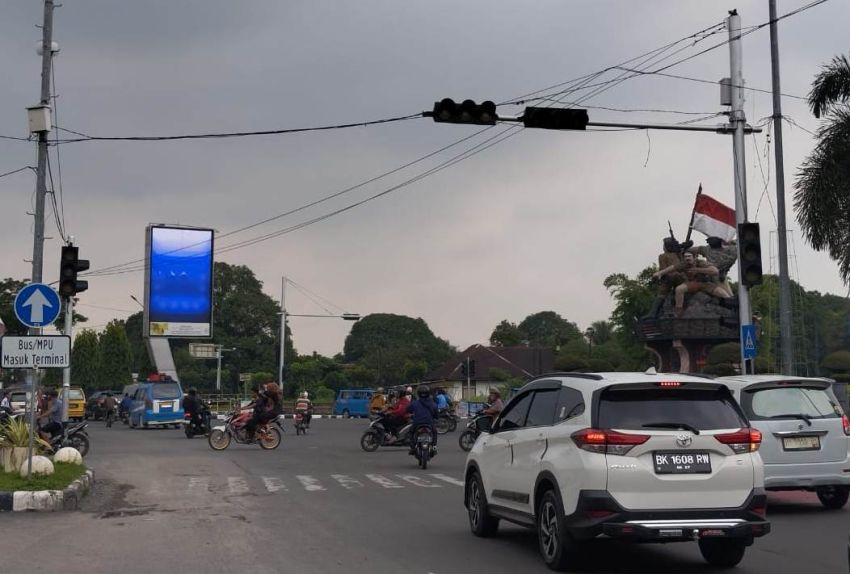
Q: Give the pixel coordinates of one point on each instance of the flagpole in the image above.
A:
(693, 212)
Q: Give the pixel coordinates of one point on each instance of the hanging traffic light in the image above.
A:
(555, 118)
(749, 249)
(472, 369)
(69, 265)
(463, 369)
(468, 112)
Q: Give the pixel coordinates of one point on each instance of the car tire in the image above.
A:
(833, 497)
(346, 414)
(557, 547)
(722, 552)
(481, 522)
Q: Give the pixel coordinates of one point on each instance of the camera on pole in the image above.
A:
(70, 264)
(555, 118)
(468, 112)
(749, 244)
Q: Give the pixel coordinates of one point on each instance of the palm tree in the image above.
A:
(822, 187)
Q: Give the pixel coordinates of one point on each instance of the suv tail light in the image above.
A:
(741, 441)
(607, 441)
(846, 423)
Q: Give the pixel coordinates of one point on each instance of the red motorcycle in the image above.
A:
(267, 436)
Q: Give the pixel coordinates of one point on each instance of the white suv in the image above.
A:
(637, 456)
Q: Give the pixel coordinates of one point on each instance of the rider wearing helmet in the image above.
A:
(495, 403)
(424, 411)
(397, 415)
(304, 406)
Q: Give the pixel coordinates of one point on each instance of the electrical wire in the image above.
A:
(56, 140)
(305, 290)
(59, 224)
(14, 171)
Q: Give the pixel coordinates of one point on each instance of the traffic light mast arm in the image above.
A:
(720, 129)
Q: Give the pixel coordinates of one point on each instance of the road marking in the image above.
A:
(383, 481)
(273, 484)
(309, 483)
(449, 479)
(418, 481)
(199, 484)
(346, 481)
(237, 485)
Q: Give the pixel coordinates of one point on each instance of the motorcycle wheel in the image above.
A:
(370, 441)
(442, 425)
(452, 425)
(80, 442)
(219, 439)
(270, 440)
(466, 440)
(189, 432)
(423, 459)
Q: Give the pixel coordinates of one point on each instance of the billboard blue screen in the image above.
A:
(179, 301)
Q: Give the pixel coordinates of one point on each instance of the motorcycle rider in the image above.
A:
(193, 405)
(397, 416)
(442, 400)
(495, 402)
(304, 406)
(424, 411)
(109, 409)
(378, 401)
(53, 411)
(267, 407)
(125, 404)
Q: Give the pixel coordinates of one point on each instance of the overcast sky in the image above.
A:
(534, 223)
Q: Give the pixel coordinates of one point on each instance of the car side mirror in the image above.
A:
(484, 424)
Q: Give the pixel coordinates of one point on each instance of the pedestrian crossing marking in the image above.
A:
(417, 481)
(199, 484)
(309, 483)
(346, 481)
(449, 479)
(237, 485)
(383, 481)
(273, 484)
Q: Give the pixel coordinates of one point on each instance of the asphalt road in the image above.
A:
(320, 504)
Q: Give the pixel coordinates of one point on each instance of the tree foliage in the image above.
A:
(548, 329)
(115, 359)
(85, 361)
(506, 334)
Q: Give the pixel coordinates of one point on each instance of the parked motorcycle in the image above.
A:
(446, 422)
(74, 436)
(267, 436)
(467, 438)
(423, 446)
(377, 436)
(200, 426)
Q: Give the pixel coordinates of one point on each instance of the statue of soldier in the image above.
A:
(700, 276)
(721, 254)
(671, 257)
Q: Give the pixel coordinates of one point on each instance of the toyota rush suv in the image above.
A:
(637, 456)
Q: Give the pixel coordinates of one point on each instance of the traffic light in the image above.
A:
(468, 112)
(749, 248)
(463, 369)
(555, 118)
(472, 368)
(69, 265)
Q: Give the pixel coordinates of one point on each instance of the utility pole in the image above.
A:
(738, 119)
(786, 345)
(282, 330)
(41, 185)
(66, 372)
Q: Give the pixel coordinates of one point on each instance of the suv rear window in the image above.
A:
(702, 409)
(165, 391)
(774, 402)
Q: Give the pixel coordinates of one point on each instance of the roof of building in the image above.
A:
(520, 362)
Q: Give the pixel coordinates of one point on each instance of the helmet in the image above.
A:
(409, 390)
(380, 389)
(423, 391)
(496, 392)
(304, 395)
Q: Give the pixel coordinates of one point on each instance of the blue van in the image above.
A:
(353, 403)
(157, 401)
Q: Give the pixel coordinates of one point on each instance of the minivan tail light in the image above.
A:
(607, 441)
(741, 441)
(148, 404)
(846, 423)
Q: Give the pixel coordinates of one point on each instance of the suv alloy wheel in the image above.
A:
(556, 547)
(480, 521)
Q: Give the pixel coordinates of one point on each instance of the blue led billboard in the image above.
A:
(178, 286)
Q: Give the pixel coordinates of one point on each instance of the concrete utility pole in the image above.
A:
(786, 345)
(738, 119)
(41, 185)
(66, 372)
(282, 330)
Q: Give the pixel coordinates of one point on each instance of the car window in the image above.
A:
(776, 401)
(140, 394)
(542, 409)
(75, 394)
(343, 395)
(166, 391)
(570, 404)
(514, 414)
(703, 409)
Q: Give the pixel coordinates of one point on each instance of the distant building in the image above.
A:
(519, 362)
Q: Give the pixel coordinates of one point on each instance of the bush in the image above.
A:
(837, 361)
(569, 363)
(840, 377)
(721, 370)
(724, 353)
(596, 365)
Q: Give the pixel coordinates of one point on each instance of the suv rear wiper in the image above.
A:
(800, 416)
(684, 426)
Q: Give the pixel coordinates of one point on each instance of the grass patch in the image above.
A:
(63, 475)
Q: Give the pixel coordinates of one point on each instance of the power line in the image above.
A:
(56, 139)
(59, 223)
(14, 171)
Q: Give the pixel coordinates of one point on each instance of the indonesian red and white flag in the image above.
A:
(713, 218)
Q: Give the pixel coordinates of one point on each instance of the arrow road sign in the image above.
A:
(748, 341)
(37, 305)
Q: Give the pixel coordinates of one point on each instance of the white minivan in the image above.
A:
(805, 433)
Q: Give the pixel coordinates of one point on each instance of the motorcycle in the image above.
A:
(74, 436)
(301, 423)
(446, 421)
(467, 438)
(266, 435)
(201, 426)
(377, 436)
(423, 446)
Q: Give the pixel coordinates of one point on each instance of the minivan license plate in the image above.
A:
(801, 443)
(677, 462)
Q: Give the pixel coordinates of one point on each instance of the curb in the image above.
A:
(222, 417)
(48, 500)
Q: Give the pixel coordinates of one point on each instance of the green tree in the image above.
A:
(8, 290)
(823, 182)
(506, 334)
(600, 332)
(548, 329)
(839, 361)
(115, 359)
(85, 361)
(414, 371)
(138, 349)
(632, 300)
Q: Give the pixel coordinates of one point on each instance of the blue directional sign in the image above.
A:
(37, 305)
(748, 341)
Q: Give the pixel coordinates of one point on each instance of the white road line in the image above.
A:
(309, 483)
(449, 479)
(383, 481)
(418, 481)
(199, 484)
(237, 485)
(346, 481)
(273, 484)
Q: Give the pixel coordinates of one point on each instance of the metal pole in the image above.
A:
(66, 372)
(785, 338)
(468, 379)
(218, 369)
(33, 404)
(738, 119)
(41, 185)
(282, 330)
